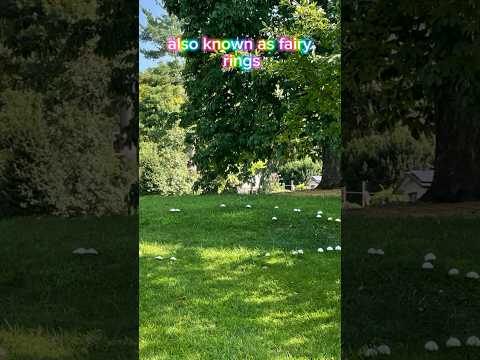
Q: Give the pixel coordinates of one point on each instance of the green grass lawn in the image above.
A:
(56, 305)
(391, 300)
(222, 298)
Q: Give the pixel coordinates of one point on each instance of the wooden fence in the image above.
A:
(365, 194)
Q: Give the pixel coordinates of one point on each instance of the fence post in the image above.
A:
(344, 194)
(292, 186)
(364, 196)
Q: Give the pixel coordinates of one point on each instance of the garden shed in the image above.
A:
(415, 183)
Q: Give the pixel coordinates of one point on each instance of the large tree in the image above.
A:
(239, 118)
(310, 87)
(418, 63)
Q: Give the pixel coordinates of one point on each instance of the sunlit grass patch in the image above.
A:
(224, 298)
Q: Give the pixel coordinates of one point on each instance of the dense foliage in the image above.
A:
(237, 118)
(417, 63)
(58, 120)
(381, 159)
(164, 156)
(310, 85)
(299, 171)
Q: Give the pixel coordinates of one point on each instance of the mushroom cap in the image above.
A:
(453, 342)
(380, 252)
(427, 266)
(430, 257)
(338, 248)
(372, 251)
(320, 250)
(383, 349)
(473, 341)
(158, 258)
(173, 258)
(300, 251)
(329, 248)
(369, 352)
(431, 346)
(274, 218)
(472, 275)
(79, 251)
(453, 272)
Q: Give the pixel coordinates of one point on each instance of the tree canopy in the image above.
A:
(288, 109)
(423, 72)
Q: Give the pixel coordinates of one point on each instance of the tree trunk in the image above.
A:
(331, 177)
(457, 152)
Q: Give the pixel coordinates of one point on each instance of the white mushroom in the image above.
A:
(338, 248)
(330, 219)
(248, 206)
(83, 251)
(427, 266)
(431, 346)
(372, 251)
(294, 252)
(369, 352)
(383, 349)
(319, 212)
(274, 218)
(329, 248)
(430, 257)
(173, 258)
(267, 254)
(158, 258)
(79, 251)
(473, 341)
(318, 216)
(379, 252)
(175, 210)
(223, 205)
(453, 342)
(300, 251)
(472, 275)
(320, 250)
(276, 207)
(338, 220)
(453, 272)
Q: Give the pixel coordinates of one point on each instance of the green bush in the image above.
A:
(386, 196)
(300, 171)
(164, 165)
(381, 159)
(62, 163)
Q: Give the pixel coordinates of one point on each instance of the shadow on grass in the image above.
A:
(233, 308)
(56, 305)
(392, 300)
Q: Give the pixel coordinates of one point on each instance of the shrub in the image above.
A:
(381, 159)
(62, 163)
(164, 165)
(300, 171)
